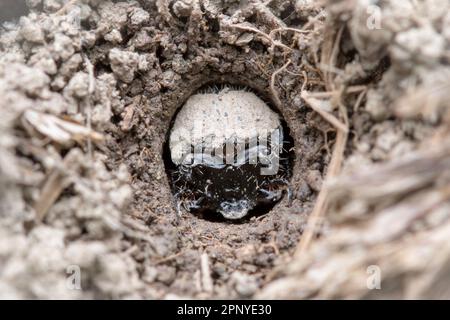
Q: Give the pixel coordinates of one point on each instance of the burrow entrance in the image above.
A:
(251, 247)
(246, 250)
(184, 184)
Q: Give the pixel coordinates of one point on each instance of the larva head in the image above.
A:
(226, 148)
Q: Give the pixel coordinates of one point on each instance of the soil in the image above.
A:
(89, 89)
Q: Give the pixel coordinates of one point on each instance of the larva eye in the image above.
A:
(228, 153)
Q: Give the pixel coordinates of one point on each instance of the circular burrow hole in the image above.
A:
(252, 244)
(228, 154)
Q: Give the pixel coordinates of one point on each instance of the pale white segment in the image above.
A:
(218, 117)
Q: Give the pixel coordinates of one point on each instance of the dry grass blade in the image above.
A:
(316, 105)
(55, 183)
(206, 280)
(87, 102)
(58, 130)
(394, 221)
(330, 51)
(395, 178)
(329, 54)
(322, 198)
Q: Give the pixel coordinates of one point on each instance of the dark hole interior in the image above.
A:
(246, 171)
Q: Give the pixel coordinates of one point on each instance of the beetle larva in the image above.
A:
(227, 149)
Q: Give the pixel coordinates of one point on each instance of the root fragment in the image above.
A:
(206, 280)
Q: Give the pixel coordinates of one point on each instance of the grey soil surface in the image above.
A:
(89, 89)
